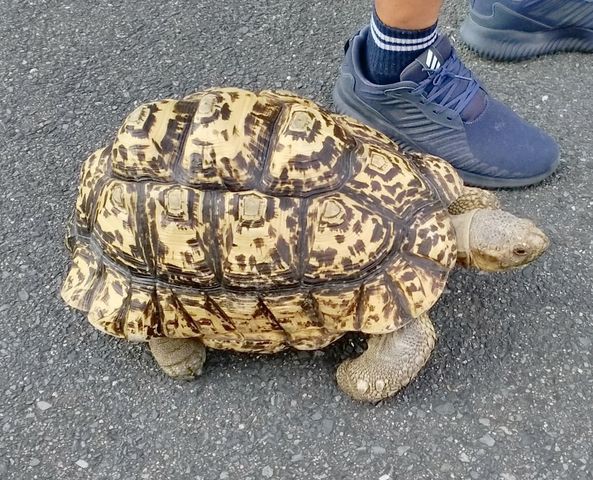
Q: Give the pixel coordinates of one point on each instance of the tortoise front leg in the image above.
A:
(180, 358)
(390, 362)
(472, 199)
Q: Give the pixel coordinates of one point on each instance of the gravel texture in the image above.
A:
(507, 393)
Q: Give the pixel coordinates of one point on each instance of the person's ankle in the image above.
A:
(390, 50)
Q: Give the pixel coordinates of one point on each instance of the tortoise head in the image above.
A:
(495, 240)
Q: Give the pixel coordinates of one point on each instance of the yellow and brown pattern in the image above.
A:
(259, 236)
(229, 135)
(115, 224)
(148, 142)
(344, 238)
(257, 222)
(92, 175)
(309, 152)
(447, 184)
(179, 245)
(388, 180)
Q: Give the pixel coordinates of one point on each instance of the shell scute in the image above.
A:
(180, 244)
(116, 227)
(388, 178)
(228, 138)
(259, 240)
(344, 238)
(447, 184)
(150, 139)
(309, 152)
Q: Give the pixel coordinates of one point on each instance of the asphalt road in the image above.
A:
(507, 393)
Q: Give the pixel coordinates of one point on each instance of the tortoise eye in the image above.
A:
(520, 251)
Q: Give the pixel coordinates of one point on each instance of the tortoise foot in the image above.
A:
(180, 358)
(390, 362)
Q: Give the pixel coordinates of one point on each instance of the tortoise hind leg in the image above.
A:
(180, 358)
(390, 362)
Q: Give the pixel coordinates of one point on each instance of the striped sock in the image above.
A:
(389, 50)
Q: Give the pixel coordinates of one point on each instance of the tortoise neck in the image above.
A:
(462, 224)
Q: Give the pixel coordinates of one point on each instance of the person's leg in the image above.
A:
(399, 32)
(434, 104)
(510, 30)
(406, 15)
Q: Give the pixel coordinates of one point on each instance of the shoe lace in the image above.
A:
(452, 86)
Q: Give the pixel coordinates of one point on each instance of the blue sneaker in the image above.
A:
(438, 107)
(516, 30)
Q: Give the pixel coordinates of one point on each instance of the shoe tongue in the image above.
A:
(431, 59)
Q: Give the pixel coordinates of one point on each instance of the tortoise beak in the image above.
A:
(539, 242)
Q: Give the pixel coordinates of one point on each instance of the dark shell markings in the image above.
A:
(257, 222)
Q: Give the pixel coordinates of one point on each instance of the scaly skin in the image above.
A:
(390, 362)
(180, 358)
(472, 199)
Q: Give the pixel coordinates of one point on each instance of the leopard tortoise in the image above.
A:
(256, 222)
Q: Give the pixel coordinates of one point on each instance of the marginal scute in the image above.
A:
(301, 321)
(178, 318)
(420, 286)
(338, 307)
(380, 310)
(141, 321)
(253, 321)
(109, 302)
(428, 254)
(82, 278)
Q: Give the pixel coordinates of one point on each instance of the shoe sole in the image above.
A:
(347, 103)
(508, 45)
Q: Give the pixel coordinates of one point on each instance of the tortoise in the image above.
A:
(260, 221)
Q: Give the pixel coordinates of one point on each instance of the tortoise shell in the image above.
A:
(255, 222)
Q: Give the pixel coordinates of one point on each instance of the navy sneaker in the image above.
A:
(516, 30)
(438, 107)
